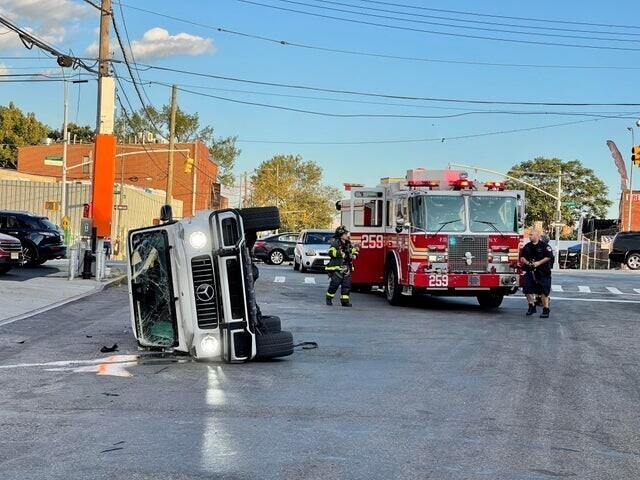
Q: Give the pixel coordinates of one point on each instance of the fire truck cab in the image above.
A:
(436, 232)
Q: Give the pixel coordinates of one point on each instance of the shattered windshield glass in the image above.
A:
(152, 289)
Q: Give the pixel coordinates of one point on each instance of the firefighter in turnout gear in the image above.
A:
(340, 266)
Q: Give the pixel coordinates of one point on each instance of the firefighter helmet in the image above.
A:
(341, 230)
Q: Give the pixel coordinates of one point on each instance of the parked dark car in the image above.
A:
(275, 249)
(41, 240)
(625, 248)
(10, 253)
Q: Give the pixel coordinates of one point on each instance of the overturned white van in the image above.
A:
(191, 287)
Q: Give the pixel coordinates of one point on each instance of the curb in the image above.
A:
(60, 303)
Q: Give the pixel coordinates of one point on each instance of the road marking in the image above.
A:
(614, 290)
(584, 289)
(279, 279)
(601, 300)
(556, 288)
(636, 290)
(309, 280)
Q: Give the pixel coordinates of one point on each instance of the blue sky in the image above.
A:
(345, 146)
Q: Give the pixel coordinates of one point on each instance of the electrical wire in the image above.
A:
(373, 54)
(435, 32)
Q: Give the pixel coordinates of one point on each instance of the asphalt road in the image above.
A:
(439, 389)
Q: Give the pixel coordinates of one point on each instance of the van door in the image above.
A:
(151, 288)
(235, 287)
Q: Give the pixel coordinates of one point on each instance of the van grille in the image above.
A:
(9, 246)
(204, 289)
(475, 246)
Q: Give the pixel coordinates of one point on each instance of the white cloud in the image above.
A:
(157, 43)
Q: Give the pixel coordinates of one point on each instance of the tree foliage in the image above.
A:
(77, 133)
(16, 130)
(580, 185)
(295, 187)
(187, 129)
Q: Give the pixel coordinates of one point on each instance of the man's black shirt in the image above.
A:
(537, 252)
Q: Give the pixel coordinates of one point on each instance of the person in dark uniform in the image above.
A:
(536, 259)
(340, 266)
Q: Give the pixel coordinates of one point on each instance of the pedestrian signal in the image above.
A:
(188, 164)
(635, 155)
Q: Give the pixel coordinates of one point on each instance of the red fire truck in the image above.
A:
(436, 232)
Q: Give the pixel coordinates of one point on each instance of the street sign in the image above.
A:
(570, 204)
(65, 222)
(120, 207)
(56, 161)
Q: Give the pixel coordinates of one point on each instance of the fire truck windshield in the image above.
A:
(438, 213)
(493, 213)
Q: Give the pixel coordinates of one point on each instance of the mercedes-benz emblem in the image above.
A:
(205, 292)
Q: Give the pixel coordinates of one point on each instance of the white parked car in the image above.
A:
(312, 250)
(191, 286)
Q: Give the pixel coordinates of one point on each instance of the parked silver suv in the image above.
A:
(312, 250)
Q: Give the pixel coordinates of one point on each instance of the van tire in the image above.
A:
(273, 345)
(259, 219)
(271, 323)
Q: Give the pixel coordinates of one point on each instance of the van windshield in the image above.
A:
(318, 238)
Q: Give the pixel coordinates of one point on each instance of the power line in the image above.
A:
(440, 24)
(435, 32)
(373, 54)
(437, 139)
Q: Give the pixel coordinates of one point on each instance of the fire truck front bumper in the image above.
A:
(464, 281)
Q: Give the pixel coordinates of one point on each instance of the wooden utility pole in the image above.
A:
(172, 139)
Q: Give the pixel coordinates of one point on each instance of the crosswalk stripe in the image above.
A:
(637, 290)
(614, 290)
(309, 280)
(584, 289)
(556, 288)
(279, 279)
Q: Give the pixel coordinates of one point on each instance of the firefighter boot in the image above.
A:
(329, 299)
(532, 309)
(345, 301)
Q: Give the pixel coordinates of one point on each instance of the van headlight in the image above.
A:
(310, 253)
(198, 240)
(209, 345)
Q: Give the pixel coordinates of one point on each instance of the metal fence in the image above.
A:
(135, 207)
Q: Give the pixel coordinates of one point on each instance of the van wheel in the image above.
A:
(258, 219)
(273, 345)
(392, 288)
(303, 269)
(490, 299)
(296, 265)
(633, 261)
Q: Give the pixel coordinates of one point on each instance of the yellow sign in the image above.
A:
(66, 223)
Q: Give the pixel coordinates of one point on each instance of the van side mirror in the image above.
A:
(166, 213)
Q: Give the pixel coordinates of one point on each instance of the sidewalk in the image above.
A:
(25, 292)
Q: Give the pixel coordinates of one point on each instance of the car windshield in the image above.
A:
(491, 214)
(319, 238)
(435, 213)
(48, 224)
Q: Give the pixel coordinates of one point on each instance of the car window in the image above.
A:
(317, 238)
(288, 238)
(3, 221)
(48, 224)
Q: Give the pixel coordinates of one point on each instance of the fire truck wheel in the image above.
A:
(273, 345)
(392, 288)
(271, 323)
(490, 299)
(258, 219)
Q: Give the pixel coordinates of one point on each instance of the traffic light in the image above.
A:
(635, 155)
(188, 164)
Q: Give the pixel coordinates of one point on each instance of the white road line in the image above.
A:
(637, 290)
(598, 300)
(309, 280)
(584, 289)
(614, 290)
(279, 279)
(556, 288)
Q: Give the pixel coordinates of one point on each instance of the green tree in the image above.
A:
(580, 185)
(77, 133)
(223, 149)
(295, 187)
(16, 130)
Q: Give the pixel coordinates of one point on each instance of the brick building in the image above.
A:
(635, 210)
(141, 165)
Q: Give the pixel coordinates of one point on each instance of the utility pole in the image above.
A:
(105, 144)
(556, 261)
(631, 165)
(244, 202)
(172, 139)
